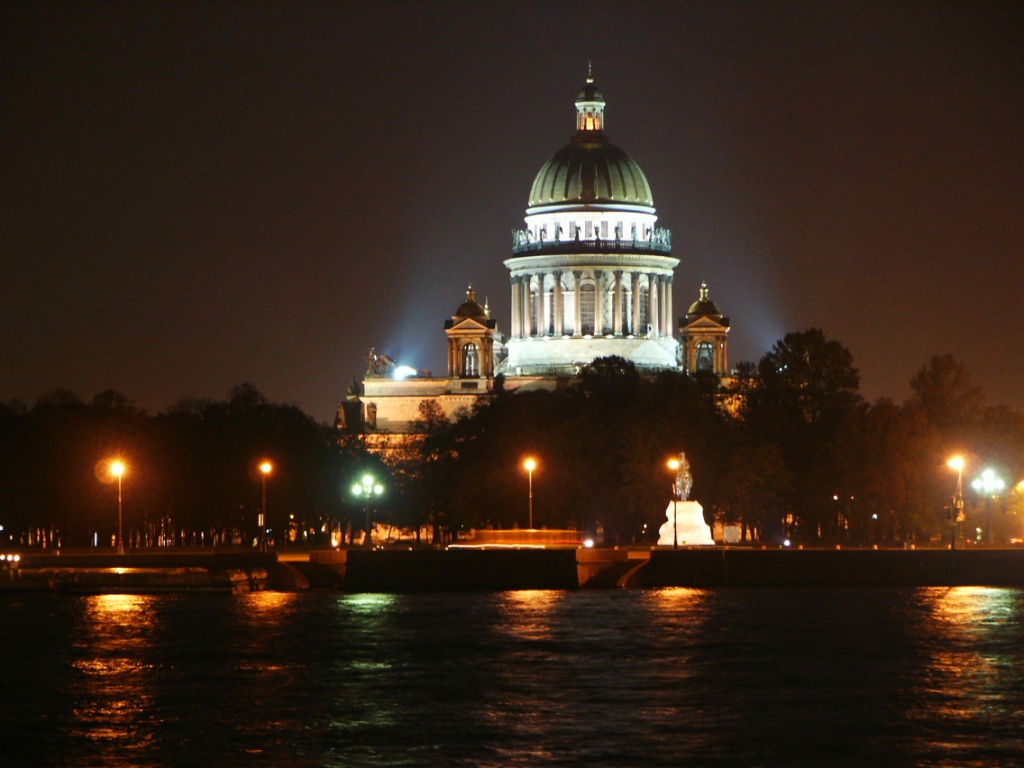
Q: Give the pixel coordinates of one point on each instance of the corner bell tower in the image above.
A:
(470, 340)
(703, 333)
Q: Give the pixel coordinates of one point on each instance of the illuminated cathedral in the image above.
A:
(591, 276)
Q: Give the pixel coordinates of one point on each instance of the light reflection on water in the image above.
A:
(617, 678)
(969, 692)
(113, 694)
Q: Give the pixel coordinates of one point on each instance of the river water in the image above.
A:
(672, 677)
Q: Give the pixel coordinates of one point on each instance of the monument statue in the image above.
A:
(684, 480)
(685, 519)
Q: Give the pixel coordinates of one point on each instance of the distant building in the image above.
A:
(591, 276)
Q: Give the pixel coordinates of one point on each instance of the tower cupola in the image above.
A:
(589, 109)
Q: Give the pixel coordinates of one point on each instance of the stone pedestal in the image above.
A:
(690, 528)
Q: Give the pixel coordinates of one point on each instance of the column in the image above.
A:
(660, 303)
(577, 276)
(598, 303)
(617, 304)
(559, 313)
(547, 308)
(487, 358)
(517, 320)
(634, 301)
(652, 309)
(669, 320)
(527, 307)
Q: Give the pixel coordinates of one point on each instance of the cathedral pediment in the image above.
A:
(469, 325)
(706, 323)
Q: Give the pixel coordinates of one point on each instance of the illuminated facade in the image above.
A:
(591, 272)
(390, 402)
(591, 276)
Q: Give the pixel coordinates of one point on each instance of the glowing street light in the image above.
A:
(117, 469)
(673, 464)
(991, 485)
(529, 465)
(265, 469)
(957, 512)
(367, 488)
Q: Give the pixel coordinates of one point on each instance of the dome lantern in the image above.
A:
(589, 109)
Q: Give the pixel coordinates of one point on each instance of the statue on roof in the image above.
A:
(378, 365)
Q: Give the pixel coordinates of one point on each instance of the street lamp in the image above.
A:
(366, 488)
(957, 512)
(265, 469)
(529, 465)
(990, 484)
(117, 468)
(673, 464)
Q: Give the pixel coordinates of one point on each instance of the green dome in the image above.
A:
(591, 172)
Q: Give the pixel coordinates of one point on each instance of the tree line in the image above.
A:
(192, 472)
(787, 449)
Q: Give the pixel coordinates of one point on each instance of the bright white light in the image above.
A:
(785, 543)
(404, 372)
(988, 482)
(588, 543)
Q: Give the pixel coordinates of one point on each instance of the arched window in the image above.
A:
(587, 307)
(704, 359)
(470, 360)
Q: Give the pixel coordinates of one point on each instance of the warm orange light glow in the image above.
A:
(117, 468)
(266, 467)
(529, 465)
(957, 463)
(673, 464)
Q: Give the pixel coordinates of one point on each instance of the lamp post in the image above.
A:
(957, 511)
(990, 484)
(117, 469)
(529, 465)
(265, 469)
(366, 488)
(673, 464)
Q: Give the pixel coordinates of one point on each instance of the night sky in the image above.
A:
(196, 195)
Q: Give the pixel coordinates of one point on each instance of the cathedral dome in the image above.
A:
(591, 170)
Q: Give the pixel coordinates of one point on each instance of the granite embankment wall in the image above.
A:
(453, 569)
(723, 567)
(521, 569)
(166, 558)
(261, 567)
